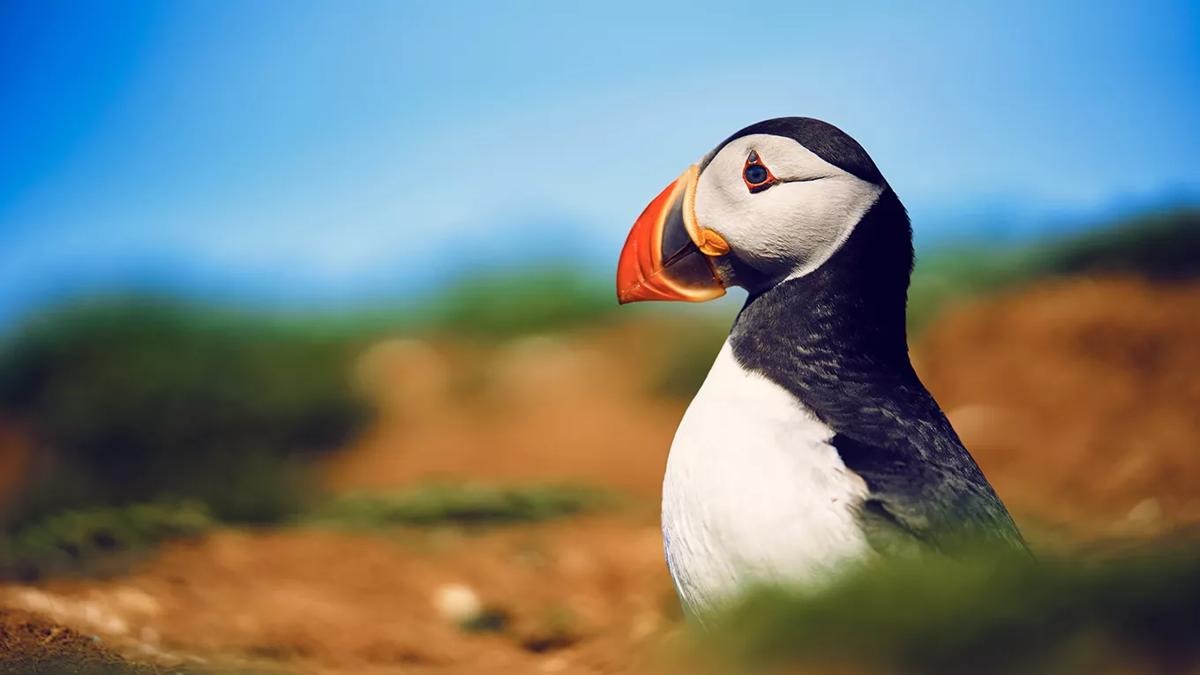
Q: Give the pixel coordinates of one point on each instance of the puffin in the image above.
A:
(812, 444)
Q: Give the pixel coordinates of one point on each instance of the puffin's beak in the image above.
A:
(663, 257)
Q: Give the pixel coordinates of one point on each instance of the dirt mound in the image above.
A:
(31, 644)
(535, 409)
(1080, 399)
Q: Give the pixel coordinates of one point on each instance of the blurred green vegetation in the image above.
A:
(1162, 246)
(103, 540)
(144, 400)
(506, 305)
(95, 540)
(460, 505)
(984, 613)
(1158, 246)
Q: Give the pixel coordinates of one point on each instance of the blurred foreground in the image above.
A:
(476, 490)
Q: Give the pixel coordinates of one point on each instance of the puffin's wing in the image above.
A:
(914, 502)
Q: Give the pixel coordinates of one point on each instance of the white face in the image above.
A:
(791, 228)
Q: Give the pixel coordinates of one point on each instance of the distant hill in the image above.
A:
(1163, 246)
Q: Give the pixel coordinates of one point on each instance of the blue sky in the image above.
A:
(327, 150)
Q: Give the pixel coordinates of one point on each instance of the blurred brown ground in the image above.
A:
(1079, 398)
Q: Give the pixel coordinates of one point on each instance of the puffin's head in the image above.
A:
(773, 202)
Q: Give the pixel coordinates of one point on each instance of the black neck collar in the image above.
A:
(849, 313)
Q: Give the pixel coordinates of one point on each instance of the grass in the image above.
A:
(982, 614)
(502, 306)
(103, 540)
(1156, 245)
(1163, 246)
(147, 400)
(459, 505)
(96, 540)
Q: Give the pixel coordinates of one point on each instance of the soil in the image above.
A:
(30, 643)
(1079, 399)
(535, 409)
(585, 596)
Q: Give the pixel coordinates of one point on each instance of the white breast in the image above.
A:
(754, 491)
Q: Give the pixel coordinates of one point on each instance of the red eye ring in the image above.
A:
(756, 174)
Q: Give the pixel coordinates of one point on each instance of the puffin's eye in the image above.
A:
(757, 176)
